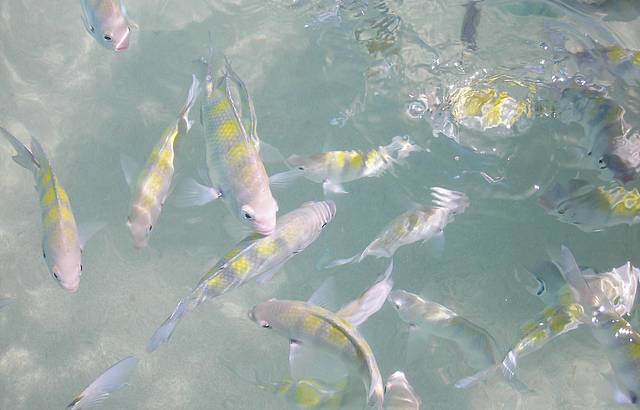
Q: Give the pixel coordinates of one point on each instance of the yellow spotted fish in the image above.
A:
(256, 256)
(303, 323)
(311, 394)
(592, 208)
(154, 182)
(235, 168)
(332, 168)
(62, 245)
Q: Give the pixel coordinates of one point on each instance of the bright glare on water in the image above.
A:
(324, 75)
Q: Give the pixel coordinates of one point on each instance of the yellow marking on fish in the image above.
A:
(46, 177)
(633, 350)
(307, 396)
(529, 327)
(59, 213)
(339, 158)
(49, 197)
(237, 152)
(62, 196)
(566, 298)
(228, 129)
(283, 388)
(241, 266)
(267, 247)
(221, 107)
(233, 252)
(312, 323)
(147, 201)
(616, 54)
(474, 100)
(559, 323)
(636, 58)
(356, 160)
(538, 335)
(217, 282)
(336, 336)
(165, 159)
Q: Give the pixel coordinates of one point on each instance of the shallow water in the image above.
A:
(323, 75)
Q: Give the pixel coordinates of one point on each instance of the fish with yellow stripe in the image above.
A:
(305, 323)
(565, 314)
(592, 208)
(426, 222)
(620, 341)
(332, 168)
(232, 152)
(154, 182)
(256, 256)
(63, 242)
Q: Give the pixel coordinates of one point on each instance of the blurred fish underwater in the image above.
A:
(298, 164)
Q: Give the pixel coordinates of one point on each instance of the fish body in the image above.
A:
(61, 245)
(431, 318)
(255, 256)
(307, 323)
(235, 167)
(107, 22)
(420, 224)
(620, 341)
(311, 393)
(154, 182)
(592, 208)
(613, 144)
(113, 379)
(620, 287)
(399, 394)
(336, 167)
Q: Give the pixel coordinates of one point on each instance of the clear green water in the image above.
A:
(317, 83)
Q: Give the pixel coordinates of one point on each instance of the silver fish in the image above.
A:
(114, 378)
(107, 22)
(256, 256)
(399, 394)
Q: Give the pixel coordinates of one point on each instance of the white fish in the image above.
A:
(114, 378)
(107, 22)
(399, 394)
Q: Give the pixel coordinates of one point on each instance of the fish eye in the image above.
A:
(265, 325)
(92, 29)
(301, 168)
(323, 225)
(80, 267)
(55, 275)
(150, 228)
(616, 301)
(44, 254)
(107, 37)
(248, 216)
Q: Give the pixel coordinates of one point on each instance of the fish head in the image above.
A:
(403, 302)
(308, 165)
(110, 27)
(140, 224)
(624, 167)
(271, 314)
(323, 212)
(66, 269)
(260, 215)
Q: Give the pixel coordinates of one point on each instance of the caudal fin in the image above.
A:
(164, 332)
(24, 157)
(456, 202)
(114, 378)
(184, 124)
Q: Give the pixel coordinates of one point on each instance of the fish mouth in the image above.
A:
(122, 44)
(72, 288)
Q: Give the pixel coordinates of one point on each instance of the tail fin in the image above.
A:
(164, 332)
(114, 378)
(456, 202)
(184, 124)
(24, 156)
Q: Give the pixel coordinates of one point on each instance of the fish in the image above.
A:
(113, 379)
(232, 151)
(613, 332)
(107, 21)
(333, 168)
(154, 182)
(592, 208)
(399, 394)
(470, 25)
(257, 257)
(421, 224)
(614, 145)
(431, 318)
(564, 314)
(305, 323)
(311, 393)
(63, 242)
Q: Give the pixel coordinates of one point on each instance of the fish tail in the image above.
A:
(184, 124)
(510, 365)
(339, 262)
(164, 332)
(114, 378)
(456, 202)
(24, 156)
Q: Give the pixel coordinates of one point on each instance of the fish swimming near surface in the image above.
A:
(333, 168)
(431, 318)
(63, 242)
(305, 323)
(154, 182)
(592, 208)
(114, 378)
(232, 150)
(399, 394)
(425, 223)
(256, 256)
(107, 21)
(620, 341)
